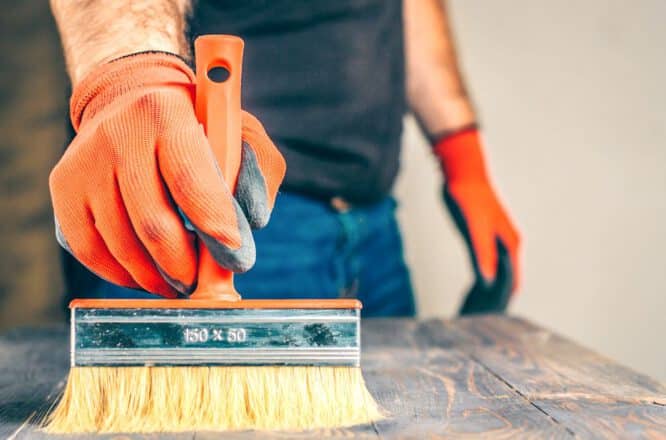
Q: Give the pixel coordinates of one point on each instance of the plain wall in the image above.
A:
(573, 104)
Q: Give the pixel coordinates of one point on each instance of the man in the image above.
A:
(331, 81)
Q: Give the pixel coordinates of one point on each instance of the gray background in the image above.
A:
(573, 101)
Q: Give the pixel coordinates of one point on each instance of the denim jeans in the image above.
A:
(310, 250)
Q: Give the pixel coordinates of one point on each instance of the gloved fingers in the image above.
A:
(511, 239)
(156, 222)
(478, 235)
(115, 227)
(75, 228)
(494, 297)
(82, 240)
(190, 171)
(237, 260)
(504, 279)
(251, 192)
(262, 170)
(483, 246)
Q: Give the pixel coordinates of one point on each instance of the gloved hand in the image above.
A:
(492, 238)
(138, 156)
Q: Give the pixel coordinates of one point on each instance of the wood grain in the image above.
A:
(33, 363)
(494, 377)
(541, 364)
(583, 391)
(607, 419)
(443, 393)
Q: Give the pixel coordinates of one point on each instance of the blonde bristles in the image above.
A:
(177, 399)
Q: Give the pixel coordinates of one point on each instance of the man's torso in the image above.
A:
(327, 80)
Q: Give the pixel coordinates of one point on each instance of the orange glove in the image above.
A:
(490, 234)
(140, 151)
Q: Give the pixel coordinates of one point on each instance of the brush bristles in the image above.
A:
(176, 399)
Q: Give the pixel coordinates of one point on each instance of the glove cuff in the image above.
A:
(110, 80)
(461, 156)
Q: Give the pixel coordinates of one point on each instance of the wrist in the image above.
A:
(461, 157)
(439, 117)
(80, 68)
(110, 80)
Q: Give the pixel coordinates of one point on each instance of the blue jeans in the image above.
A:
(310, 250)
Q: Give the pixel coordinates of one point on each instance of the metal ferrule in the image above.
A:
(155, 337)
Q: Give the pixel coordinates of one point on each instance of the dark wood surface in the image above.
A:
(495, 377)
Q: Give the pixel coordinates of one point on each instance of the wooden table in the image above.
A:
(493, 376)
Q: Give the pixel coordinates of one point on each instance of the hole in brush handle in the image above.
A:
(218, 74)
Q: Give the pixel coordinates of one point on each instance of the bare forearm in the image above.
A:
(94, 32)
(435, 88)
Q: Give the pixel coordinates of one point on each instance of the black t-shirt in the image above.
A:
(326, 78)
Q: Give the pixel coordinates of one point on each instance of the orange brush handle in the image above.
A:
(218, 107)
